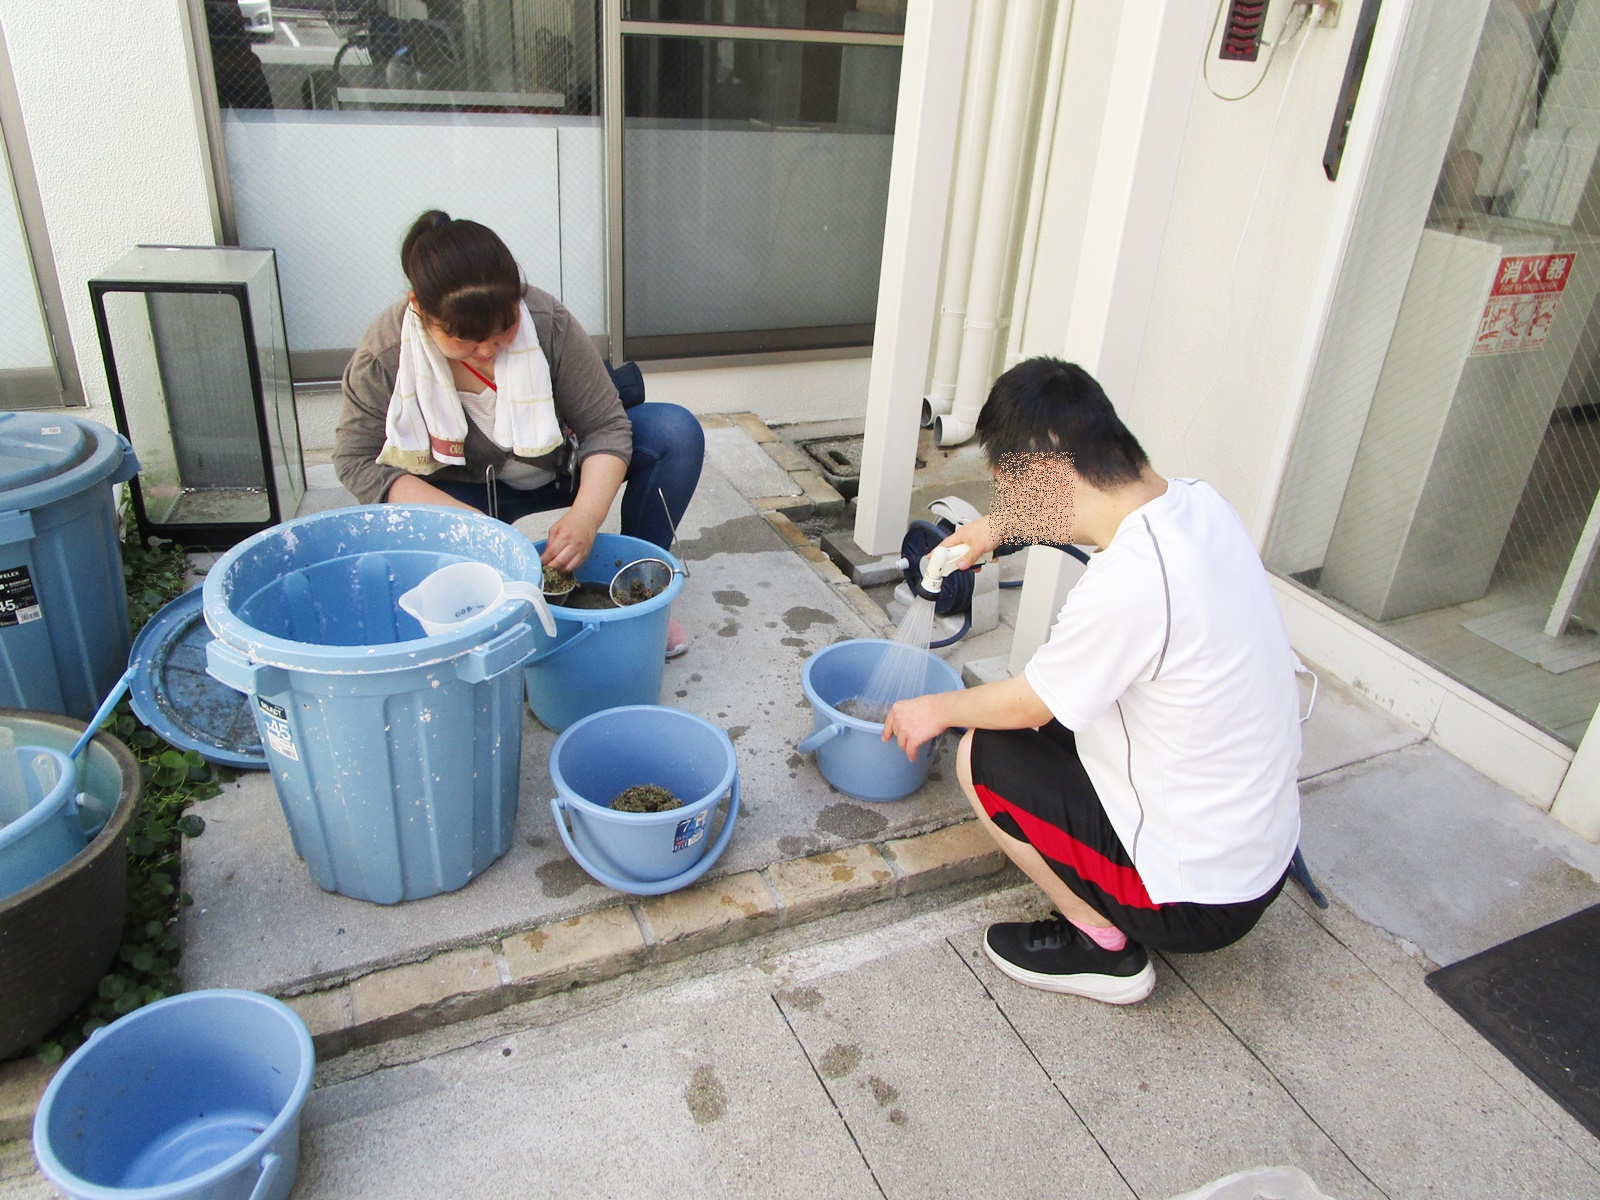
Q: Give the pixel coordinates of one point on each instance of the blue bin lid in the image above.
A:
(34, 448)
(172, 693)
(45, 457)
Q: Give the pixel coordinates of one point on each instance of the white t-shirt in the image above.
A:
(1171, 664)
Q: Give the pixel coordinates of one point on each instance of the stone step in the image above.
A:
(471, 981)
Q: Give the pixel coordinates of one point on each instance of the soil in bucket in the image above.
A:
(864, 709)
(589, 594)
(645, 798)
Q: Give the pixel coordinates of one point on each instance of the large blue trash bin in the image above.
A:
(396, 756)
(64, 635)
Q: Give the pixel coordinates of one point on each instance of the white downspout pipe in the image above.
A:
(977, 112)
(1013, 92)
(1041, 173)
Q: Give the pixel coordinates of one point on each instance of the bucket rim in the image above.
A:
(570, 795)
(861, 723)
(112, 835)
(51, 803)
(289, 1113)
(592, 616)
(105, 456)
(289, 654)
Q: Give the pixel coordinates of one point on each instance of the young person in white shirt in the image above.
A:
(1142, 768)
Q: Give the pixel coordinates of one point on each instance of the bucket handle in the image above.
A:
(586, 631)
(659, 887)
(271, 1168)
(820, 738)
(510, 649)
(233, 668)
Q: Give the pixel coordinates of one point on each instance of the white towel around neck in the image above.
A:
(426, 429)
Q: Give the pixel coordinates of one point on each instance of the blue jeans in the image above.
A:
(668, 448)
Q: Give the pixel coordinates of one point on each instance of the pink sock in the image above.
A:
(1107, 937)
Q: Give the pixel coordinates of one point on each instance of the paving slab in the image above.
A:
(755, 611)
(1424, 847)
(939, 1092)
(1181, 1081)
(1414, 1114)
(747, 465)
(1345, 727)
(1404, 970)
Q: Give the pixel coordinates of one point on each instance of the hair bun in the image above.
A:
(440, 220)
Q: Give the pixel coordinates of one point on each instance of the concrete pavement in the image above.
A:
(875, 1052)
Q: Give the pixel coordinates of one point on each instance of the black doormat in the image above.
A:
(1536, 999)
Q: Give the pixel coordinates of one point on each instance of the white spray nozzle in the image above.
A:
(941, 561)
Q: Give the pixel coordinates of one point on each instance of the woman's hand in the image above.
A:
(570, 540)
(915, 721)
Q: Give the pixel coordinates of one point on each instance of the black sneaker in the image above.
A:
(1056, 956)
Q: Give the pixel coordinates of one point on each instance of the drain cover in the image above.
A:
(839, 461)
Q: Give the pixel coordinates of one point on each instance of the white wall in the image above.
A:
(116, 141)
(1249, 225)
(334, 192)
(780, 393)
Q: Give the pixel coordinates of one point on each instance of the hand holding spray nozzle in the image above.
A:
(941, 561)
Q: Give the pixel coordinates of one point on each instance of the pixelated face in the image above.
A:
(1031, 498)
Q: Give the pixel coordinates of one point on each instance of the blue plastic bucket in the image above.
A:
(39, 826)
(851, 752)
(603, 657)
(196, 1097)
(645, 854)
(63, 601)
(396, 756)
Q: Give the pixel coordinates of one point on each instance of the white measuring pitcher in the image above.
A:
(454, 595)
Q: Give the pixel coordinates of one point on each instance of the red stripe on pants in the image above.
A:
(1121, 883)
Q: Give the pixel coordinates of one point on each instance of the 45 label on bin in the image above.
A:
(275, 725)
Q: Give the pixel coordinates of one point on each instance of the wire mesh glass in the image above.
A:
(857, 16)
(755, 184)
(1444, 484)
(344, 120)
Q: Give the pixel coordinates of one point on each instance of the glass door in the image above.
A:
(1444, 486)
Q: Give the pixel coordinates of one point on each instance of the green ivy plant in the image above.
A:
(146, 966)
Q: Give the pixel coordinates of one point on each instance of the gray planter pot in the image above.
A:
(58, 936)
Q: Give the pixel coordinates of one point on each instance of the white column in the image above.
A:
(1151, 86)
(1577, 804)
(908, 282)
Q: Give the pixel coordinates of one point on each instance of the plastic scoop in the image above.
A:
(461, 592)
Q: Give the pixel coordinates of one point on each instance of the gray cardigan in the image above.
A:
(586, 402)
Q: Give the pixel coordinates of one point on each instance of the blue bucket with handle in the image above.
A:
(851, 752)
(603, 658)
(644, 854)
(40, 830)
(196, 1097)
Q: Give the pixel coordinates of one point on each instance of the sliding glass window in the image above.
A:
(755, 172)
(342, 121)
